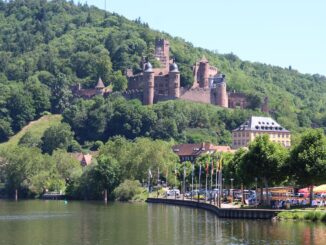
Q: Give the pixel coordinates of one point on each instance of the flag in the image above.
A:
(220, 163)
(150, 173)
(199, 169)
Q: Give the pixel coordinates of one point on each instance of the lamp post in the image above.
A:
(232, 190)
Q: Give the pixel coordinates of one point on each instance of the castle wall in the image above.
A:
(136, 82)
(162, 85)
(198, 95)
(238, 100)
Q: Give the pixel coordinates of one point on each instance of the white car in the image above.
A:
(173, 192)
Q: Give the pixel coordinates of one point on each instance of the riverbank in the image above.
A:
(220, 212)
(297, 214)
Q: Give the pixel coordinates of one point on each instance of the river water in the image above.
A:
(56, 223)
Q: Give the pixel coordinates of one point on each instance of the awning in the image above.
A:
(320, 189)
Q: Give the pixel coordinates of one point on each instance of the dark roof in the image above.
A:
(197, 149)
(265, 124)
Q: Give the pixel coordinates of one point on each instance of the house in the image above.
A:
(84, 159)
(189, 152)
(256, 126)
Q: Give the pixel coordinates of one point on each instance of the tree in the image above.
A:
(104, 176)
(56, 137)
(29, 140)
(20, 106)
(19, 165)
(66, 165)
(308, 159)
(127, 190)
(264, 160)
(5, 130)
(119, 82)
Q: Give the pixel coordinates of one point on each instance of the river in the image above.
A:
(56, 223)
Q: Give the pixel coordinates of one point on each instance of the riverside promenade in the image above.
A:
(224, 212)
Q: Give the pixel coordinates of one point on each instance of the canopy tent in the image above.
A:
(303, 190)
(320, 189)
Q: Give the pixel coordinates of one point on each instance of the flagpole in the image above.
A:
(212, 171)
(192, 180)
(206, 181)
(184, 180)
(175, 175)
(158, 176)
(149, 179)
(199, 179)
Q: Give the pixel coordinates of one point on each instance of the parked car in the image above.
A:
(173, 192)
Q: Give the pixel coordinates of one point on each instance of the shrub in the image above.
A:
(309, 215)
(127, 190)
(323, 217)
(313, 216)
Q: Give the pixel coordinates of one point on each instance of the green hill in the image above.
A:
(46, 46)
(36, 128)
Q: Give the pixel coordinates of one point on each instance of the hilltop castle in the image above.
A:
(159, 84)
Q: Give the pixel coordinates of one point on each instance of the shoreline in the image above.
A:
(235, 213)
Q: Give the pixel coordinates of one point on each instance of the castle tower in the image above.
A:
(162, 52)
(203, 73)
(99, 86)
(174, 81)
(221, 94)
(148, 90)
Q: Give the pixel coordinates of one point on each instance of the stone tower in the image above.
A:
(203, 71)
(162, 52)
(99, 86)
(148, 90)
(174, 81)
(221, 94)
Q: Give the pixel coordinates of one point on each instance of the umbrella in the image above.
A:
(320, 189)
(303, 190)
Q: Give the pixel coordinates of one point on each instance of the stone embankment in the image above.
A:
(220, 212)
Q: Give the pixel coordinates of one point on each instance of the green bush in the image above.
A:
(313, 216)
(127, 190)
(323, 217)
(309, 215)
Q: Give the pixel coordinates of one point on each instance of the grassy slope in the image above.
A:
(37, 128)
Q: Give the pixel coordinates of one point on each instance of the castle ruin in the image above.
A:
(163, 83)
(159, 84)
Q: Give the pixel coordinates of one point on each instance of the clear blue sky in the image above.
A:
(277, 32)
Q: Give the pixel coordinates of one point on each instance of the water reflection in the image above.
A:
(52, 223)
(180, 225)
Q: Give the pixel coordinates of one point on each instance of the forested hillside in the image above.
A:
(45, 47)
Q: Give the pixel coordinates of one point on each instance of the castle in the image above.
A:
(159, 84)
